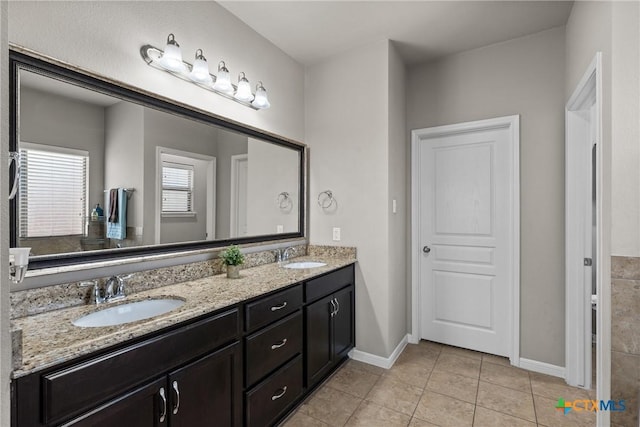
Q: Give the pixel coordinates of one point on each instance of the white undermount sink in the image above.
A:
(127, 313)
(305, 264)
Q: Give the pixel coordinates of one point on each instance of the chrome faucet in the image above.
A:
(114, 289)
(282, 255)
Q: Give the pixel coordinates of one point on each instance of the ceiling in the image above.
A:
(310, 31)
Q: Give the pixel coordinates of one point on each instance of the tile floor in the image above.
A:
(435, 385)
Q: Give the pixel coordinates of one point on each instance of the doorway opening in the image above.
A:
(588, 307)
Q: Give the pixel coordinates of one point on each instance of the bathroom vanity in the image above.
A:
(238, 352)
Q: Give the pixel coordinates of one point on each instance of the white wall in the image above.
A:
(523, 76)
(49, 119)
(348, 131)
(271, 172)
(105, 37)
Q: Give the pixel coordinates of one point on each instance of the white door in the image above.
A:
(468, 196)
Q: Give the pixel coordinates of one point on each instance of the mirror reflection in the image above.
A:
(98, 172)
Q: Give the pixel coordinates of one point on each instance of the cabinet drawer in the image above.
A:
(329, 283)
(79, 387)
(271, 398)
(271, 347)
(270, 309)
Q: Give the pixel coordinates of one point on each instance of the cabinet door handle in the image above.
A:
(279, 395)
(333, 308)
(177, 405)
(337, 305)
(280, 344)
(279, 307)
(163, 413)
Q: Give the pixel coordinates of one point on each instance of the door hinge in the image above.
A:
(588, 262)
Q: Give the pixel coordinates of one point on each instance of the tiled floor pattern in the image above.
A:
(435, 385)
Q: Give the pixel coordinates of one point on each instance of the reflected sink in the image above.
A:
(127, 313)
(305, 264)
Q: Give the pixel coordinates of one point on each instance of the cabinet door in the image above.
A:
(143, 407)
(208, 391)
(343, 323)
(319, 341)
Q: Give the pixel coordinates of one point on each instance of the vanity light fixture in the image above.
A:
(243, 93)
(170, 61)
(261, 100)
(200, 70)
(223, 80)
(171, 58)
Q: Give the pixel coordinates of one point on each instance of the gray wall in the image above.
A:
(271, 171)
(125, 135)
(55, 120)
(523, 76)
(229, 144)
(399, 259)
(353, 152)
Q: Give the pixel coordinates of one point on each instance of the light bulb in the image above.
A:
(244, 89)
(171, 59)
(200, 69)
(223, 80)
(261, 100)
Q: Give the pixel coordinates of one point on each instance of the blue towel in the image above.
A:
(118, 230)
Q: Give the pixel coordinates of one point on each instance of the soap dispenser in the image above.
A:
(97, 212)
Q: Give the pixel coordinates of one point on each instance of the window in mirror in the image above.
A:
(53, 191)
(177, 188)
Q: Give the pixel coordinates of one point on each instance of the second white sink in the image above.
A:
(305, 264)
(127, 313)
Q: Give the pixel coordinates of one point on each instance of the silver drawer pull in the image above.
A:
(163, 414)
(280, 344)
(177, 406)
(279, 307)
(278, 396)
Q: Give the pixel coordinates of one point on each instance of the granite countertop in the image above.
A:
(50, 338)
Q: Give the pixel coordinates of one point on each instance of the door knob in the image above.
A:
(426, 249)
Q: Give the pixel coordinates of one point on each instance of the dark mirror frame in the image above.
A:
(20, 60)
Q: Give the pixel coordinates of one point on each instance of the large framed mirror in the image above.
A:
(107, 171)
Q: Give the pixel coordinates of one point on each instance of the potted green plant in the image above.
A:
(233, 259)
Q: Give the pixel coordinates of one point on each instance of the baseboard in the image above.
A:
(413, 339)
(542, 367)
(382, 362)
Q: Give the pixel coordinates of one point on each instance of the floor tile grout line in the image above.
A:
(424, 389)
(535, 411)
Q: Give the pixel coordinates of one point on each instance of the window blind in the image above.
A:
(53, 191)
(177, 188)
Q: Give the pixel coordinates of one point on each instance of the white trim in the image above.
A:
(542, 367)
(382, 362)
(513, 123)
(588, 93)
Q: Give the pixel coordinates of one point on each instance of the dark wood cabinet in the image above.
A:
(249, 365)
(133, 384)
(207, 391)
(329, 333)
(142, 407)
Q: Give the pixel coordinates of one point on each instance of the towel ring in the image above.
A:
(326, 199)
(284, 200)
